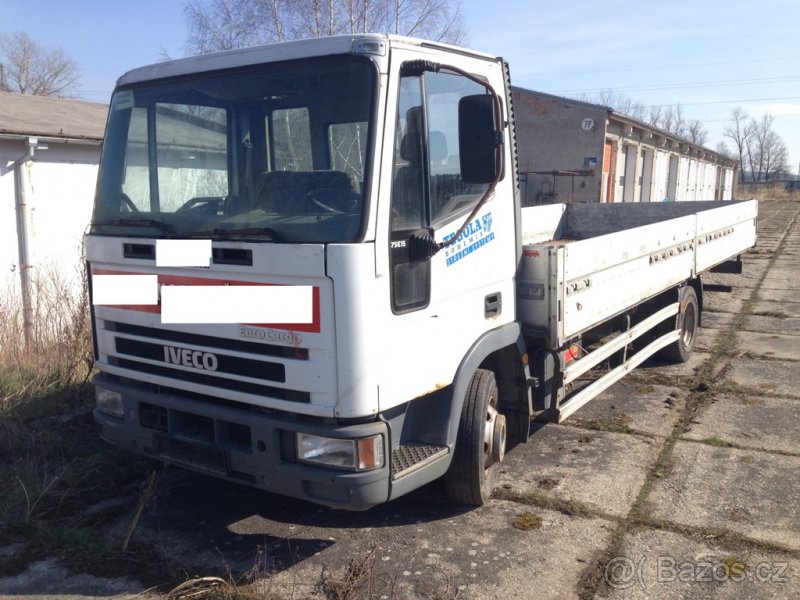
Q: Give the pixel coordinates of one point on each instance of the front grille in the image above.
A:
(233, 365)
(182, 337)
(204, 378)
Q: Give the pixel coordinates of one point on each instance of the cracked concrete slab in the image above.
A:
(777, 295)
(771, 324)
(717, 320)
(640, 407)
(722, 302)
(719, 488)
(480, 555)
(707, 337)
(775, 281)
(772, 345)
(601, 470)
(661, 565)
(767, 308)
(771, 376)
(750, 421)
(678, 372)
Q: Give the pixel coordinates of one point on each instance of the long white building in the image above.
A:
(582, 152)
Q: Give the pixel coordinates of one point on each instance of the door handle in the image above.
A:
(492, 305)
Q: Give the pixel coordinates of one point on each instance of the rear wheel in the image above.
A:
(688, 321)
(480, 445)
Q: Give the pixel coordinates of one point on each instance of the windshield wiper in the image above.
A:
(268, 232)
(160, 225)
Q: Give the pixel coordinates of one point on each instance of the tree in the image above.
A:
(761, 151)
(739, 132)
(28, 68)
(619, 102)
(215, 25)
(768, 154)
(696, 133)
(672, 121)
(722, 148)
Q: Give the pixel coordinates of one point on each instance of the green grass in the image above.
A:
(718, 442)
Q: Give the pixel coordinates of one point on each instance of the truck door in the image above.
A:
(442, 304)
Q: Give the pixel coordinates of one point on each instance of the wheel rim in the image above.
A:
(494, 435)
(688, 325)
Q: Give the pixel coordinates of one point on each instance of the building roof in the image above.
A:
(42, 116)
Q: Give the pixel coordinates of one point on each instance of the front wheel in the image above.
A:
(480, 445)
(688, 322)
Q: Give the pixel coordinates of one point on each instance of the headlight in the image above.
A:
(108, 401)
(358, 455)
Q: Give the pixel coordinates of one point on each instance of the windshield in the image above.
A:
(276, 152)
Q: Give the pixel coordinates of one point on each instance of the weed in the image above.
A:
(357, 574)
(771, 313)
(527, 521)
(541, 500)
(618, 424)
(718, 442)
(734, 567)
(547, 483)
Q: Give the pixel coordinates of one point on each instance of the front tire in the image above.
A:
(688, 323)
(480, 444)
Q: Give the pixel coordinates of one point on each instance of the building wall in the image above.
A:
(60, 192)
(558, 134)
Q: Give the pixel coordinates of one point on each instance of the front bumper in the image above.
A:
(241, 444)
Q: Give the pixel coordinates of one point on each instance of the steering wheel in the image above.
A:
(126, 202)
(201, 204)
(335, 202)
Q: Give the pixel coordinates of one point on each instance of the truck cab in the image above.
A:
(377, 172)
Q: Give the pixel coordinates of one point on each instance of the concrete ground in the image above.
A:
(679, 482)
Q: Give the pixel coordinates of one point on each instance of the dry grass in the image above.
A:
(55, 349)
(53, 466)
(767, 193)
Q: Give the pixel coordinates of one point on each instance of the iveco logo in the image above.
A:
(190, 358)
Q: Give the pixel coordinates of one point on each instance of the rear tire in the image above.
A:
(480, 444)
(687, 323)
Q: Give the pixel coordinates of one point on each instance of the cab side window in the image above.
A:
(427, 190)
(450, 197)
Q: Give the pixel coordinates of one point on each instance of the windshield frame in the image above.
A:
(108, 222)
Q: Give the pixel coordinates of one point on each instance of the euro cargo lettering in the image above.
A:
(190, 358)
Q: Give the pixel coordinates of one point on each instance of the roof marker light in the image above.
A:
(374, 47)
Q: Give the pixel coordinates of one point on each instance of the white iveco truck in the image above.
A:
(375, 178)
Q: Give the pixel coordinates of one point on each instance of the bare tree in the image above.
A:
(27, 68)
(722, 148)
(673, 121)
(619, 103)
(768, 153)
(224, 25)
(761, 151)
(215, 25)
(696, 133)
(667, 118)
(739, 132)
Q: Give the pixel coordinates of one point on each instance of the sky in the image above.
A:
(708, 55)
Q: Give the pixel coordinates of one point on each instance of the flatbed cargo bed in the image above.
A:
(584, 263)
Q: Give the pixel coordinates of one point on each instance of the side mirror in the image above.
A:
(479, 142)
